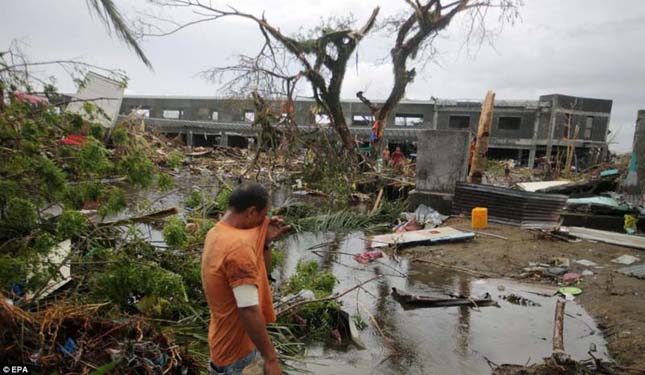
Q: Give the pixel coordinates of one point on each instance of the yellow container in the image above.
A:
(479, 217)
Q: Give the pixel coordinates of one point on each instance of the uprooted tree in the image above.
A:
(323, 54)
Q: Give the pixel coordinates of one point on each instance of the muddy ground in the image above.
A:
(614, 300)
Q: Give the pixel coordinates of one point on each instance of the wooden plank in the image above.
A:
(613, 238)
(478, 164)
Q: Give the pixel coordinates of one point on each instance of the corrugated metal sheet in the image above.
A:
(507, 206)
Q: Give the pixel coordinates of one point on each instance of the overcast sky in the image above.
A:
(588, 48)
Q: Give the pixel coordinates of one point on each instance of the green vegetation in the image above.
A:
(308, 276)
(175, 159)
(278, 257)
(56, 161)
(314, 320)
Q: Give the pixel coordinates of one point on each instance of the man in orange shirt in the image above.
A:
(234, 277)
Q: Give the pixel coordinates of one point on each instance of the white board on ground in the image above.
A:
(613, 238)
(540, 185)
(423, 236)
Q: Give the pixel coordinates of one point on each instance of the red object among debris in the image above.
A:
(570, 277)
(368, 256)
(31, 99)
(73, 140)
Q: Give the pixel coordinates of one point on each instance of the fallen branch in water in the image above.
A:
(332, 297)
(414, 301)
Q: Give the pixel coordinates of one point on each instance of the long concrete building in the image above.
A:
(522, 129)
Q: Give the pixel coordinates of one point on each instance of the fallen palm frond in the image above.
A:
(345, 220)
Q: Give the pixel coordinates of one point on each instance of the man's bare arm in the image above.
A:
(253, 323)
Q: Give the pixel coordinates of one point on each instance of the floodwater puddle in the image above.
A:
(449, 340)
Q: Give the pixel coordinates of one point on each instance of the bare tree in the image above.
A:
(322, 56)
(414, 35)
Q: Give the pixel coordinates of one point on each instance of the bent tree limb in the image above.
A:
(414, 36)
(330, 298)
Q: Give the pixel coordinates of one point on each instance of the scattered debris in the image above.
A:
(625, 259)
(586, 263)
(637, 271)
(519, 300)
(368, 256)
(570, 277)
(59, 258)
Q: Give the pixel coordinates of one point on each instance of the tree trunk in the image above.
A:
(478, 164)
(339, 123)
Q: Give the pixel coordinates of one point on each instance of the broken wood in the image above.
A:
(377, 203)
(478, 163)
(408, 300)
(199, 153)
(152, 216)
(559, 355)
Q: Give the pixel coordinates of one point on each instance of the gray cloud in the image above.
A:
(577, 47)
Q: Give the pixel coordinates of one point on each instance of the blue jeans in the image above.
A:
(234, 368)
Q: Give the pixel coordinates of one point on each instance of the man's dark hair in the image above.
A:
(248, 195)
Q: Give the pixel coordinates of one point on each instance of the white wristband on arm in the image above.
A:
(246, 295)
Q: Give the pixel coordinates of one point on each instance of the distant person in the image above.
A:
(234, 276)
(386, 156)
(397, 158)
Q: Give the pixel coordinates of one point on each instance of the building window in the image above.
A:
(322, 119)
(459, 122)
(172, 114)
(408, 120)
(362, 119)
(142, 112)
(588, 127)
(214, 116)
(249, 116)
(509, 123)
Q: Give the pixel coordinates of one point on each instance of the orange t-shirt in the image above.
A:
(233, 257)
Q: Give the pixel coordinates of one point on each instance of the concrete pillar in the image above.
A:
(634, 184)
(536, 129)
(549, 141)
(223, 140)
(442, 161)
(189, 138)
(639, 149)
(435, 116)
(531, 162)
